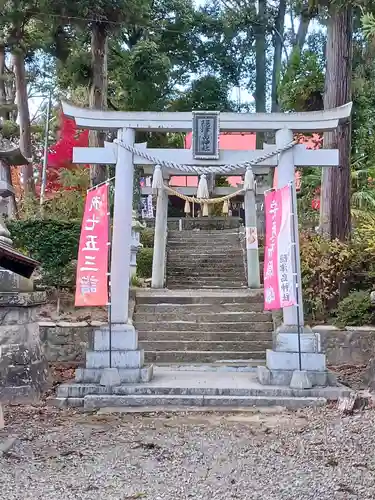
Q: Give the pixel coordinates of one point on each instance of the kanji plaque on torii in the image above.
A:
(206, 133)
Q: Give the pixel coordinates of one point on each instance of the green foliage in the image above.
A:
(53, 243)
(355, 310)
(368, 25)
(303, 82)
(135, 281)
(328, 270)
(147, 237)
(144, 262)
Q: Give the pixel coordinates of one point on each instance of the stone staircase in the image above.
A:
(217, 327)
(204, 259)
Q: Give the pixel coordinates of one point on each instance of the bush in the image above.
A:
(355, 310)
(147, 237)
(53, 243)
(144, 262)
(328, 272)
(135, 281)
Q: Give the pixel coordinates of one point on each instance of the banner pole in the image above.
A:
(295, 266)
(109, 279)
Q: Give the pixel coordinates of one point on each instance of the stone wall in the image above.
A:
(67, 342)
(352, 345)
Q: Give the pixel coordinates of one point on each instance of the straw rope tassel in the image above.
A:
(205, 210)
(225, 209)
(157, 179)
(187, 207)
(202, 191)
(249, 182)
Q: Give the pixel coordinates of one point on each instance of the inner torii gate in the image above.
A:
(126, 155)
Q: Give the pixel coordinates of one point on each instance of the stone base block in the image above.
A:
(288, 342)
(110, 377)
(127, 376)
(11, 282)
(284, 377)
(24, 373)
(119, 359)
(121, 338)
(290, 361)
(293, 329)
(300, 380)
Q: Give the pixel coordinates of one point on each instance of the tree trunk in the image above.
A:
(260, 66)
(24, 119)
(278, 50)
(98, 92)
(335, 220)
(3, 95)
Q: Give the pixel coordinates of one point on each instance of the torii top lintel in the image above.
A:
(310, 121)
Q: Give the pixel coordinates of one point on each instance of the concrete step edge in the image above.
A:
(102, 401)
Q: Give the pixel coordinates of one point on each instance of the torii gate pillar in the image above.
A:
(114, 356)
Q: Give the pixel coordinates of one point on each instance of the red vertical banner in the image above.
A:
(279, 288)
(92, 267)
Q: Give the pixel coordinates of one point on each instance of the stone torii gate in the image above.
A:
(127, 155)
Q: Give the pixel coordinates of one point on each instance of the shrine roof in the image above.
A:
(14, 261)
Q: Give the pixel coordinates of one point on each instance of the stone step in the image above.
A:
(206, 346)
(217, 280)
(205, 286)
(205, 283)
(233, 274)
(197, 335)
(220, 259)
(191, 326)
(195, 250)
(207, 278)
(207, 231)
(205, 270)
(195, 297)
(102, 401)
(215, 235)
(187, 277)
(207, 317)
(200, 356)
(208, 265)
(202, 245)
(205, 263)
(182, 309)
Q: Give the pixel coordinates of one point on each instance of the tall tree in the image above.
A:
(278, 42)
(104, 18)
(335, 218)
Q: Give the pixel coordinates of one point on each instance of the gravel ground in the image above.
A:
(270, 455)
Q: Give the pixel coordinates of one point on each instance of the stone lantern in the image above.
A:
(23, 367)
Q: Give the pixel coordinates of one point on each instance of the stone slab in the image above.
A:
(120, 359)
(94, 402)
(198, 388)
(127, 376)
(7, 444)
(290, 361)
(284, 377)
(23, 299)
(288, 342)
(2, 424)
